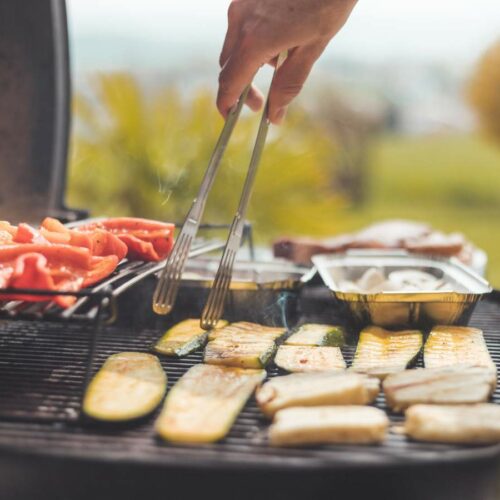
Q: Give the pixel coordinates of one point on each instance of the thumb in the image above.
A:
(290, 78)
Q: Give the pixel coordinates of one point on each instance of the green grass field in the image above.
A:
(452, 182)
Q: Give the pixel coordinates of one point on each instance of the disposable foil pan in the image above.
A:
(262, 292)
(402, 309)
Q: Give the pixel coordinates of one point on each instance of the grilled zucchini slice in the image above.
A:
(317, 335)
(129, 385)
(452, 345)
(329, 424)
(380, 352)
(203, 405)
(312, 389)
(295, 358)
(184, 338)
(459, 384)
(244, 331)
(460, 424)
(254, 354)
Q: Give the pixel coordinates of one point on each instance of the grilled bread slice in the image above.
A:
(381, 352)
(252, 354)
(204, 403)
(452, 345)
(317, 335)
(295, 358)
(184, 338)
(312, 389)
(459, 384)
(245, 331)
(129, 385)
(461, 424)
(329, 424)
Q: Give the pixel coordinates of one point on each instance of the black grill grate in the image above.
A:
(42, 370)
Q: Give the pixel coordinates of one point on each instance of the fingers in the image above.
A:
(236, 74)
(290, 79)
(255, 99)
(234, 18)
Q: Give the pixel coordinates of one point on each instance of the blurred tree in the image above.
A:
(354, 120)
(484, 91)
(144, 155)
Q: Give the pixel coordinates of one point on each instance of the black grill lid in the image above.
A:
(34, 108)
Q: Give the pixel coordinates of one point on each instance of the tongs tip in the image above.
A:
(160, 308)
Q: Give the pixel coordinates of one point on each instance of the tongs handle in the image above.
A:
(214, 307)
(168, 284)
(199, 202)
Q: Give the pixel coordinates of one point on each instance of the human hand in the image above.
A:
(258, 30)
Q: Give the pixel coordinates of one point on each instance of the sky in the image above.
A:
(454, 31)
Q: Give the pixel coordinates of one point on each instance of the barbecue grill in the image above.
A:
(48, 451)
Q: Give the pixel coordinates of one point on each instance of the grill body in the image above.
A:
(34, 108)
(42, 369)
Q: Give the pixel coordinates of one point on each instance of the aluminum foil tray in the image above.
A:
(402, 309)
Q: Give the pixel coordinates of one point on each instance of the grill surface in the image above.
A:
(42, 370)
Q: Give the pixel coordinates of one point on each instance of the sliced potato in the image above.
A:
(317, 335)
(380, 352)
(312, 389)
(459, 384)
(184, 338)
(244, 331)
(453, 345)
(203, 405)
(129, 385)
(460, 424)
(255, 354)
(295, 358)
(329, 424)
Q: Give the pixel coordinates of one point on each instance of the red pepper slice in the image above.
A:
(145, 239)
(51, 267)
(99, 241)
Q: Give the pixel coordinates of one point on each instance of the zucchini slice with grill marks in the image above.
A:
(253, 354)
(245, 331)
(296, 358)
(184, 338)
(454, 345)
(317, 335)
(129, 385)
(381, 352)
(204, 403)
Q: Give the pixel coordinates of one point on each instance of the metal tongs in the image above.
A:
(171, 275)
